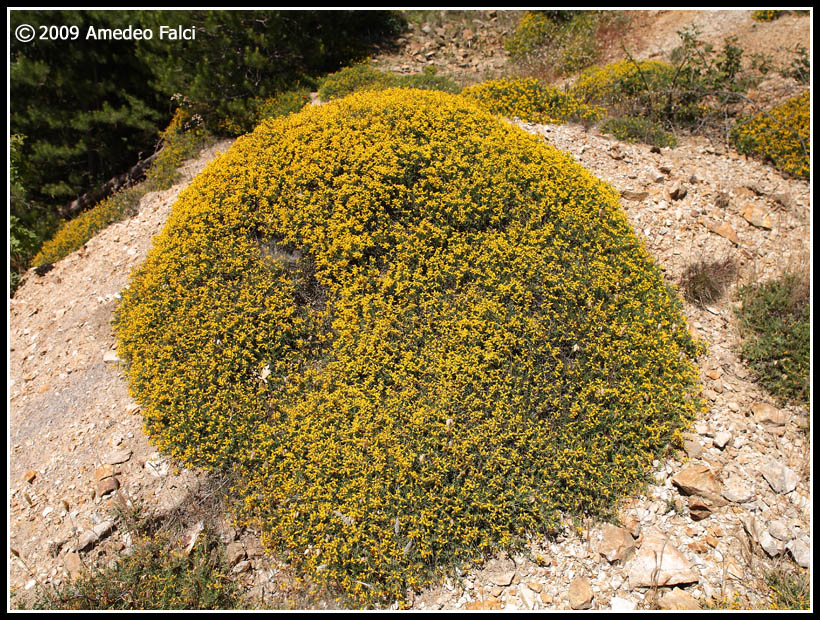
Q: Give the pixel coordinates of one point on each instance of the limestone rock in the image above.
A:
(157, 465)
(699, 508)
(117, 457)
(764, 413)
(699, 480)
(738, 490)
(580, 594)
(489, 603)
(779, 530)
(722, 439)
(781, 478)
(678, 192)
(500, 571)
(621, 604)
(106, 486)
(234, 553)
(692, 448)
(723, 229)
(678, 599)
(111, 357)
(103, 529)
(801, 553)
(615, 543)
(104, 471)
(769, 544)
(629, 194)
(658, 562)
(756, 216)
(74, 565)
(87, 540)
(528, 596)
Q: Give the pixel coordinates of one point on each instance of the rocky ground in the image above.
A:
(735, 505)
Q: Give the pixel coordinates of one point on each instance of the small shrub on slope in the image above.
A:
(156, 574)
(416, 332)
(781, 135)
(181, 142)
(531, 101)
(774, 321)
(631, 129)
(363, 77)
(561, 42)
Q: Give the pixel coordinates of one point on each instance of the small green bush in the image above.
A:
(696, 91)
(364, 76)
(182, 140)
(415, 333)
(529, 100)
(781, 135)
(800, 66)
(155, 574)
(640, 130)
(561, 42)
(774, 322)
(611, 84)
(258, 109)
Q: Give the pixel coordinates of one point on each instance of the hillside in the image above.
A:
(732, 507)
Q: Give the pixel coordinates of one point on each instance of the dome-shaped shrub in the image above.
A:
(416, 331)
(781, 135)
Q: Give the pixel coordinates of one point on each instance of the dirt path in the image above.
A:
(73, 428)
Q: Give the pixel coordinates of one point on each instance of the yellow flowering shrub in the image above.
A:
(182, 139)
(768, 15)
(608, 83)
(531, 101)
(414, 331)
(781, 135)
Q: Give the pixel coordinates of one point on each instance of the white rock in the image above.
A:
(781, 478)
(769, 544)
(622, 604)
(738, 490)
(658, 562)
(721, 439)
(779, 530)
(527, 596)
(801, 552)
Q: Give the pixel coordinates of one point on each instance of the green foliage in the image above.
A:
(781, 135)
(364, 76)
(416, 334)
(240, 58)
(696, 91)
(155, 574)
(645, 131)
(85, 107)
(23, 240)
(284, 103)
(789, 589)
(531, 101)
(562, 42)
(182, 140)
(800, 66)
(774, 322)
